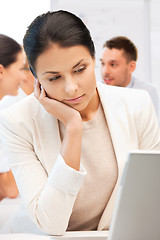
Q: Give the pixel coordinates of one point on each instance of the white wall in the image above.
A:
(155, 41)
(16, 15)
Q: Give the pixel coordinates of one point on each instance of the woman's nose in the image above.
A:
(70, 86)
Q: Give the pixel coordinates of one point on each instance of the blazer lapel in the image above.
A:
(117, 120)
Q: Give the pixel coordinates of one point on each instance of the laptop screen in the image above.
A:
(136, 213)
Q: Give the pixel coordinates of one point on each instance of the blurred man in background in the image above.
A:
(118, 62)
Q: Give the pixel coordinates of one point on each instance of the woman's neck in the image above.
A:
(89, 112)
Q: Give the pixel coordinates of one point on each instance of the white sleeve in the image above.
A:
(66, 178)
(48, 196)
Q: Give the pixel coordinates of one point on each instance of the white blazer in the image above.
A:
(48, 187)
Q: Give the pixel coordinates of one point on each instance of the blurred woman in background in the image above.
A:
(12, 62)
(26, 87)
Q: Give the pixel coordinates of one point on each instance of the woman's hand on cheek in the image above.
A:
(66, 114)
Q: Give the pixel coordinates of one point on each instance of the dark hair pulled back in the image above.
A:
(60, 27)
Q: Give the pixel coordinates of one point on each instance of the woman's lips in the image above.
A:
(75, 100)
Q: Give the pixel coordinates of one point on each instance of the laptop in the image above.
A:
(136, 214)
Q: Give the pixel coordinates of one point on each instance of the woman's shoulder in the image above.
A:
(116, 97)
(20, 106)
(24, 118)
(24, 110)
(116, 93)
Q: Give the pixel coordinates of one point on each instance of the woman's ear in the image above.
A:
(1, 71)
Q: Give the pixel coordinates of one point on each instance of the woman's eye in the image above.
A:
(54, 78)
(80, 70)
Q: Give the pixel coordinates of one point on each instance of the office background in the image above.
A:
(139, 20)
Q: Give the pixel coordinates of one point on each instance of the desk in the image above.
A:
(94, 235)
(23, 236)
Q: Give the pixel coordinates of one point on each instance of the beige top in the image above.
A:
(98, 158)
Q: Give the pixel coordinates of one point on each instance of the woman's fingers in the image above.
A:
(58, 109)
(39, 91)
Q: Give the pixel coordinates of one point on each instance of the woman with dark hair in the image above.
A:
(11, 65)
(69, 142)
(26, 87)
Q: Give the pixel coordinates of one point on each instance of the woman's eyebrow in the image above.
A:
(78, 63)
(53, 72)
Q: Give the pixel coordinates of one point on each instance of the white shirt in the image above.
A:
(152, 91)
(8, 100)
